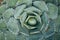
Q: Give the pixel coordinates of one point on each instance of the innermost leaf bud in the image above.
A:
(32, 21)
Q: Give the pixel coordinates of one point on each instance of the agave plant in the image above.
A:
(28, 20)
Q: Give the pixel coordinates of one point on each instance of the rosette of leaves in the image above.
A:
(27, 19)
(35, 21)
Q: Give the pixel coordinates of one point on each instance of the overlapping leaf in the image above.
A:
(8, 13)
(53, 11)
(19, 10)
(11, 3)
(13, 25)
(15, 20)
(41, 5)
(10, 36)
(2, 24)
(57, 22)
(2, 8)
(28, 2)
(2, 37)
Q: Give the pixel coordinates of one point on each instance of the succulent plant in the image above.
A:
(28, 20)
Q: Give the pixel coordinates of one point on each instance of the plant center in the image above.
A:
(32, 21)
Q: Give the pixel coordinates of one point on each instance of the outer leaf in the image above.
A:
(57, 36)
(19, 10)
(13, 25)
(22, 37)
(41, 5)
(50, 30)
(36, 37)
(57, 22)
(53, 11)
(2, 8)
(2, 24)
(2, 37)
(28, 2)
(11, 3)
(10, 36)
(8, 13)
(52, 1)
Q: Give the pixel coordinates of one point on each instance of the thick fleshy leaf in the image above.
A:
(23, 17)
(36, 36)
(45, 22)
(2, 24)
(2, 37)
(38, 17)
(29, 27)
(57, 36)
(52, 1)
(53, 11)
(22, 37)
(8, 13)
(50, 29)
(24, 31)
(13, 25)
(11, 3)
(10, 36)
(19, 10)
(2, 8)
(28, 2)
(41, 5)
(33, 9)
(45, 18)
(57, 22)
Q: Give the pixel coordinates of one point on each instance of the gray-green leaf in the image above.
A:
(13, 25)
(52, 11)
(41, 5)
(19, 10)
(2, 36)
(2, 8)
(28, 2)
(10, 36)
(2, 24)
(33, 9)
(11, 3)
(57, 22)
(8, 13)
